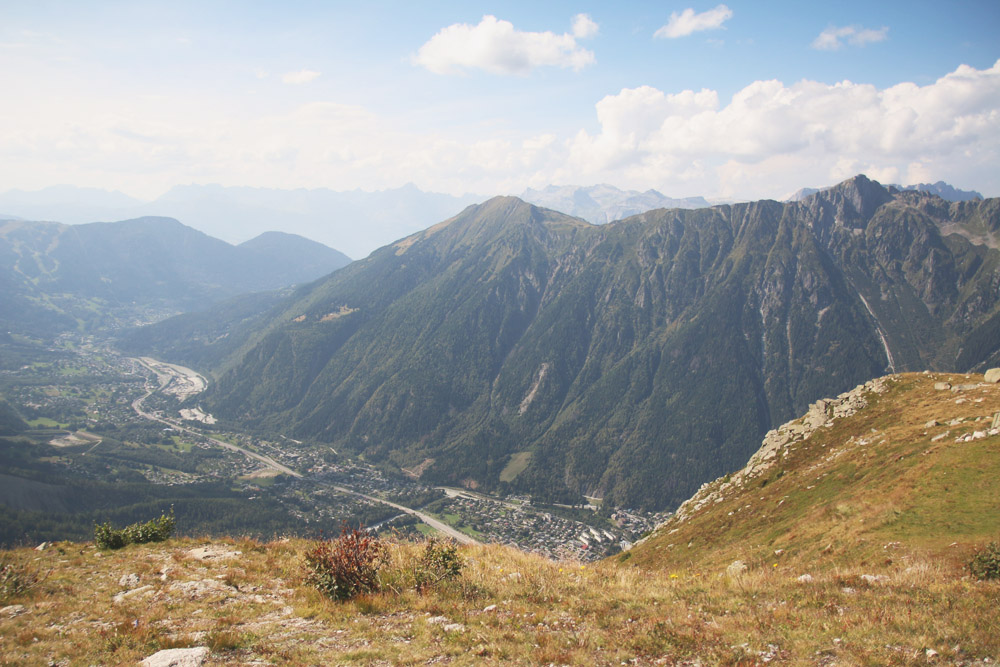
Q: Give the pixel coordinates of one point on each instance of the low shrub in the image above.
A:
(986, 563)
(439, 561)
(348, 566)
(106, 537)
(154, 530)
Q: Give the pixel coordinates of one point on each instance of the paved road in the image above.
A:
(460, 537)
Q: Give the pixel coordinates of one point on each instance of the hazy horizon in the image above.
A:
(728, 101)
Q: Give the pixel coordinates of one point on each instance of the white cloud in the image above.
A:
(769, 139)
(833, 37)
(495, 46)
(300, 77)
(687, 22)
(808, 132)
(584, 26)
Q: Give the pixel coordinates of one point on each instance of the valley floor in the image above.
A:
(245, 601)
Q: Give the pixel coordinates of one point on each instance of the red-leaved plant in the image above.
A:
(347, 566)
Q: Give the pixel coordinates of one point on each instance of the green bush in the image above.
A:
(439, 561)
(154, 530)
(106, 537)
(986, 563)
(347, 566)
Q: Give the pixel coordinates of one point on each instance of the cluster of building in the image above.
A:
(531, 528)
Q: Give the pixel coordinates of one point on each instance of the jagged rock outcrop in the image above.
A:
(821, 414)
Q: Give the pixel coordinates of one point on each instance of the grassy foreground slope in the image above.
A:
(882, 521)
(912, 471)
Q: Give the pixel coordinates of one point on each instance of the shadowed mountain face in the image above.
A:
(58, 277)
(519, 348)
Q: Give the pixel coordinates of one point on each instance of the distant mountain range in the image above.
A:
(941, 189)
(601, 204)
(56, 277)
(354, 222)
(513, 347)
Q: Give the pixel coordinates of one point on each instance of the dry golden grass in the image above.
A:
(883, 530)
(510, 607)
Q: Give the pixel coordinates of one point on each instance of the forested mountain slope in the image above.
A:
(56, 277)
(520, 348)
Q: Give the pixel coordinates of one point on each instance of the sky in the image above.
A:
(734, 100)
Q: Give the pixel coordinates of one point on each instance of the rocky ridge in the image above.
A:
(823, 414)
(778, 441)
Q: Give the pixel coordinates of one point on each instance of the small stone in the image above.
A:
(805, 579)
(454, 627)
(932, 423)
(12, 611)
(128, 581)
(43, 546)
(212, 552)
(874, 578)
(198, 589)
(930, 653)
(142, 591)
(177, 657)
(736, 568)
(437, 620)
(992, 376)
(492, 607)
(942, 386)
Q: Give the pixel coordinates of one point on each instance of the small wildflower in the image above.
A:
(673, 576)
